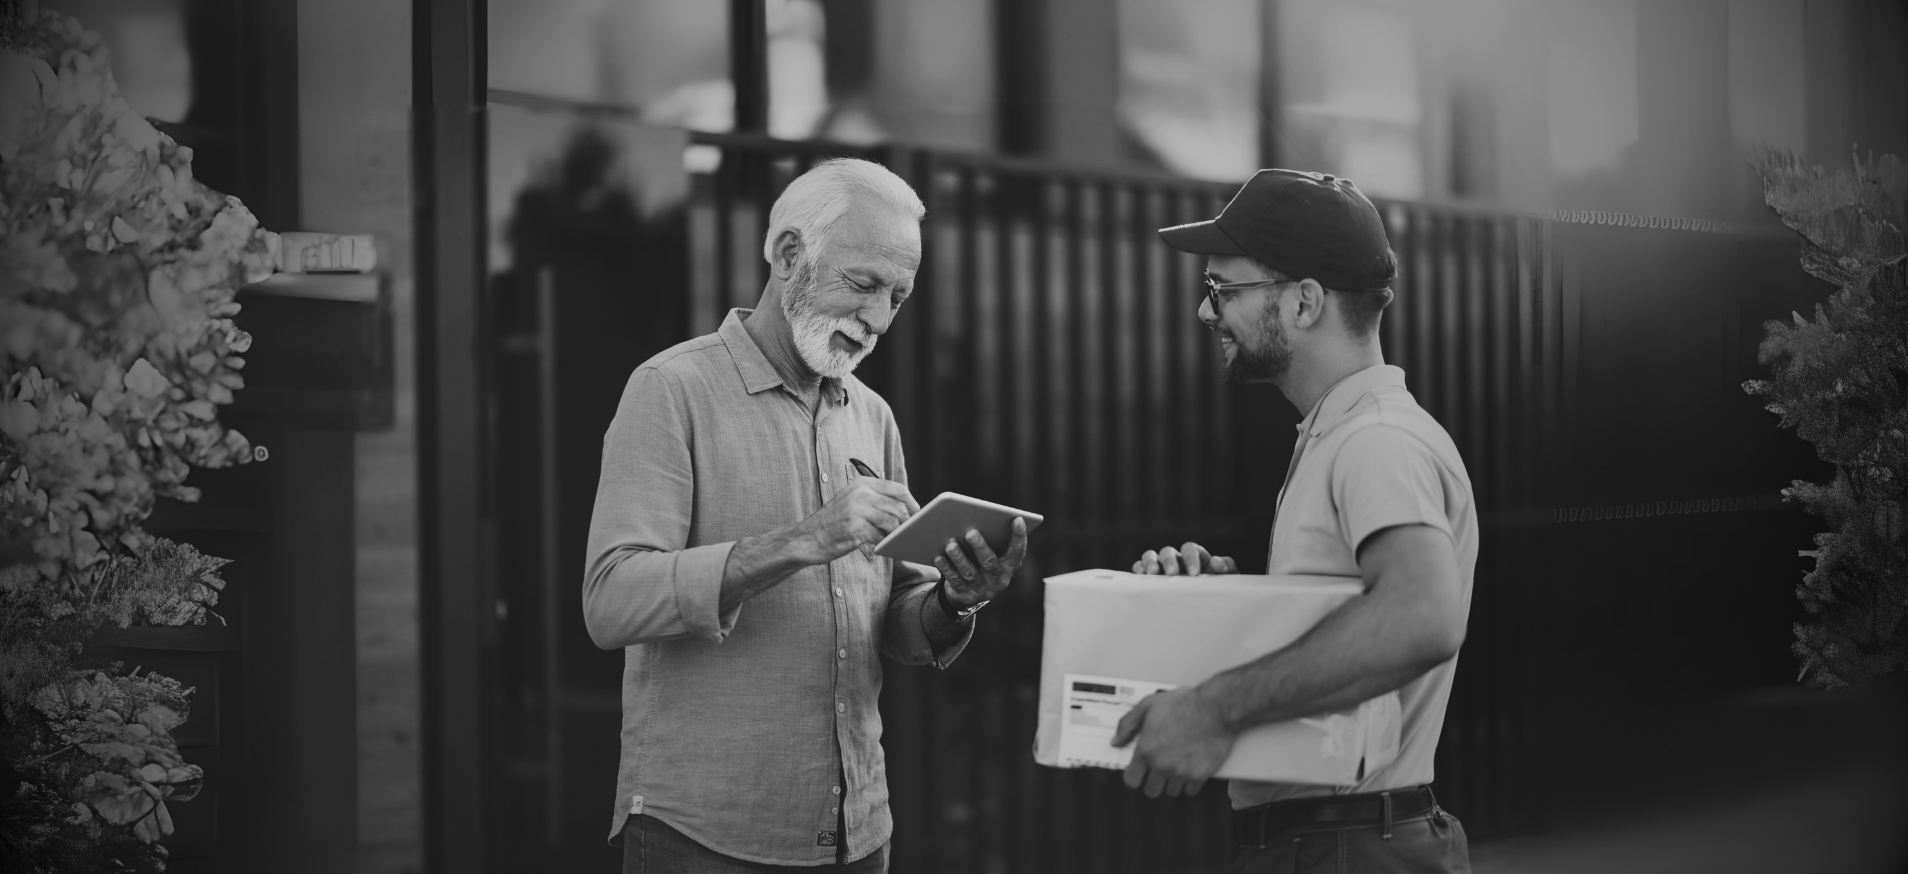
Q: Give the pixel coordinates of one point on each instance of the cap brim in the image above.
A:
(1201, 238)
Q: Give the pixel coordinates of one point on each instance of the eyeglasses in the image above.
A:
(1213, 288)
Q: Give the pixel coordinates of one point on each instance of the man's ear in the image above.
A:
(1312, 304)
(788, 253)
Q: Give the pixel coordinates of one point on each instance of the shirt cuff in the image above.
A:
(698, 576)
(946, 655)
(1374, 524)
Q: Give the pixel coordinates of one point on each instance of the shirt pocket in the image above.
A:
(875, 464)
(869, 453)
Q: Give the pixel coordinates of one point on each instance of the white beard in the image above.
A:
(814, 331)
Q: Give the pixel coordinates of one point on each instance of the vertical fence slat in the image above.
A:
(985, 375)
(1155, 403)
(1124, 346)
(1183, 355)
(1424, 347)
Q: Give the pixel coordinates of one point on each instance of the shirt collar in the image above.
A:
(757, 372)
(1346, 392)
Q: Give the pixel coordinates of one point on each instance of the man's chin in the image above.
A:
(1238, 370)
(856, 361)
(840, 351)
(1230, 369)
(838, 366)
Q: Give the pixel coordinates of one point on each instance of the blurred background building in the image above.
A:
(1600, 104)
(561, 188)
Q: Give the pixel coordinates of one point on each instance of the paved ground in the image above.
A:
(1848, 824)
(1777, 780)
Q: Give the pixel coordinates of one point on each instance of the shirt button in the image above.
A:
(841, 653)
(840, 707)
(825, 479)
(834, 811)
(835, 790)
(838, 591)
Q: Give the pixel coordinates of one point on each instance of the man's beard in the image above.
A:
(814, 331)
(1266, 357)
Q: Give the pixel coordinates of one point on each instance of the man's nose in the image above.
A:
(1206, 313)
(877, 316)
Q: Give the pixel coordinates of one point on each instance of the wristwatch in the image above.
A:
(948, 607)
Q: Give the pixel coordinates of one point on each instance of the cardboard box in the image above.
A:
(1113, 638)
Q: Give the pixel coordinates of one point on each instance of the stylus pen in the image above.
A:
(863, 469)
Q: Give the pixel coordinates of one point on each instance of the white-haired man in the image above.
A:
(731, 558)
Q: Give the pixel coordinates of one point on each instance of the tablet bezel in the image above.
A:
(1001, 514)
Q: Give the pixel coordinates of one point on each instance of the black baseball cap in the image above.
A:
(1305, 225)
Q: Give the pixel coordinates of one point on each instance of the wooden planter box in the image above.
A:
(207, 658)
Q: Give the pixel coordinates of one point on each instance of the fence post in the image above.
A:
(749, 64)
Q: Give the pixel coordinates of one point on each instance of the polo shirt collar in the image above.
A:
(758, 374)
(1346, 392)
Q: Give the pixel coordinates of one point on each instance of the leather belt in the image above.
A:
(1254, 825)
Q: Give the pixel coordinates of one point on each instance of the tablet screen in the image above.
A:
(948, 517)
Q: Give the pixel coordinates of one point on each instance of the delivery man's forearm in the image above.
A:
(1342, 662)
(1411, 619)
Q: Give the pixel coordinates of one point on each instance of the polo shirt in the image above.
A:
(1370, 458)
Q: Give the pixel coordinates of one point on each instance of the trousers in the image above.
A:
(651, 846)
(1433, 843)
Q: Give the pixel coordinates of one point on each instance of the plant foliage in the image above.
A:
(117, 277)
(1838, 379)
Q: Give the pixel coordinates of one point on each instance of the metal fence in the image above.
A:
(1051, 359)
(1479, 326)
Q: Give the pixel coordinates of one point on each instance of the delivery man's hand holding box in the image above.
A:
(1362, 649)
(1117, 644)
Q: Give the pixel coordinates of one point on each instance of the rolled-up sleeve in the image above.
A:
(641, 584)
(905, 639)
(912, 590)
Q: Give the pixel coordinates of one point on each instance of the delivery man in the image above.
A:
(1298, 273)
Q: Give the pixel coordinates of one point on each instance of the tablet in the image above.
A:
(948, 517)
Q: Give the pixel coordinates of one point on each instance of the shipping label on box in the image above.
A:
(1094, 706)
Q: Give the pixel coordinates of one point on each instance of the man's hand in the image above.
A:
(859, 515)
(1181, 742)
(976, 574)
(1191, 560)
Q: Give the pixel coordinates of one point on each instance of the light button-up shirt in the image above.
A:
(741, 727)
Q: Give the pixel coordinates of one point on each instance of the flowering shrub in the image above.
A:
(1839, 380)
(123, 726)
(118, 341)
(117, 277)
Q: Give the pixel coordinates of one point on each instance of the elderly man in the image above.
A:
(1298, 273)
(731, 556)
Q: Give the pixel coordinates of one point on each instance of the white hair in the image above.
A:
(816, 200)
